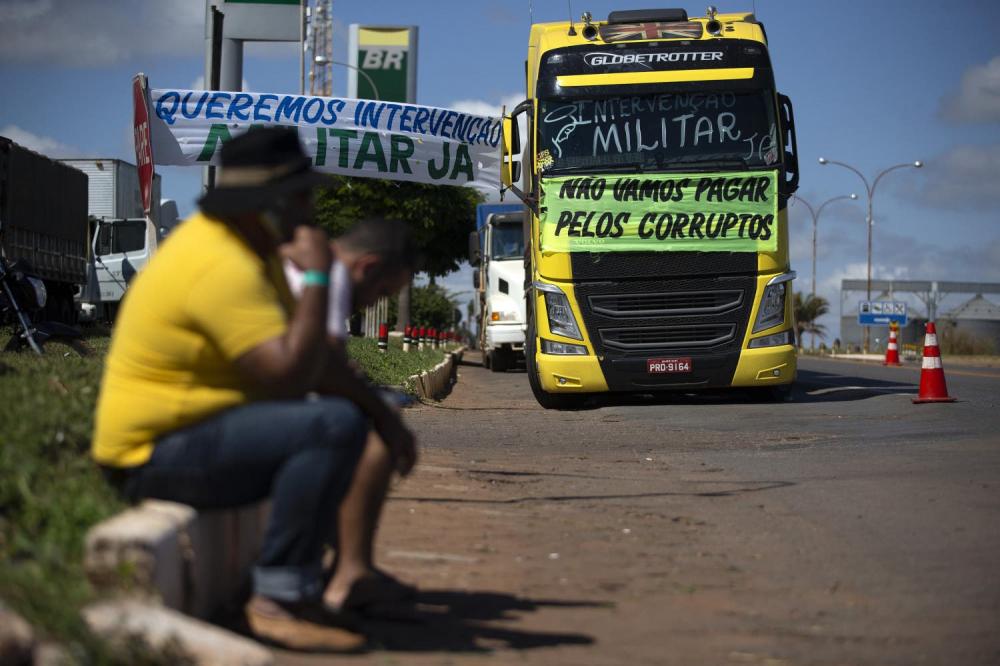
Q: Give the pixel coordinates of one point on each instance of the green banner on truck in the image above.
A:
(702, 212)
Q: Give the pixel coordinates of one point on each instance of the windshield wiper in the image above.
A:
(649, 167)
(595, 168)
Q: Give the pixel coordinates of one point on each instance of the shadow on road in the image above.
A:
(810, 387)
(816, 386)
(448, 621)
(455, 621)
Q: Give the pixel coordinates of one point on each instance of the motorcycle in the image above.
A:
(22, 298)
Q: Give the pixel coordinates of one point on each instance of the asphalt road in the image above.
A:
(847, 526)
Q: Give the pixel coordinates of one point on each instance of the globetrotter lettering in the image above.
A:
(345, 136)
(728, 212)
(602, 59)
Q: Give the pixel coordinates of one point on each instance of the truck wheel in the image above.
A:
(782, 393)
(500, 360)
(545, 399)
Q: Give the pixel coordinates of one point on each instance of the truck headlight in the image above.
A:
(561, 319)
(772, 304)
(503, 315)
(773, 340)
(562, 348)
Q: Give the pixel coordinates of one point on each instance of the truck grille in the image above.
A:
(702, 316)
(668, 337)
(666, 304)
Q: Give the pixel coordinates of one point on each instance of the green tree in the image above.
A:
(808, 310)
(431, 306)
(441, 216)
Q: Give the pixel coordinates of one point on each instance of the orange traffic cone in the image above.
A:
(892, 350)
(932, 384)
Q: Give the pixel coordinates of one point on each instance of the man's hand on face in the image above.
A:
(309, 249)
(401, 442)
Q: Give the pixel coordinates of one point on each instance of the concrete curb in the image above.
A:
(188, 560)
(119, 620)
(435, 383)
(172, 562)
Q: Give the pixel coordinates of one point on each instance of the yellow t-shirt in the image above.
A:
(204, 300)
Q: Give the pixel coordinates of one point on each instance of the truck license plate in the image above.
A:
(668, 365)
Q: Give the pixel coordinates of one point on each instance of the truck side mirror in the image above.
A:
(790, 181)
(475, 280)
(510, 150)
(475, 254)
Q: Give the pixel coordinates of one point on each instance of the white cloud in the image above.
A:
(977, 99)
(24, 10)
(829, 286)
(40, 144)
(480, 107)
(99, 32)
(965, 177)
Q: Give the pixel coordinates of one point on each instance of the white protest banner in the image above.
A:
(351, 137)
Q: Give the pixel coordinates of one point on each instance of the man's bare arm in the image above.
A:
(292, 364)
(340, 378)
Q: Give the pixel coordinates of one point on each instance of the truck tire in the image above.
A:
(567, 401)
(501, 360)
(782, 393)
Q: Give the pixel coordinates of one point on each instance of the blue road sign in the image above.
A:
(882, 313)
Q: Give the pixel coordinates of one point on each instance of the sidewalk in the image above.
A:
(693, 532)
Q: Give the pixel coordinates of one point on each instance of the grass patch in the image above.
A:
(51, 492)
(394, 367)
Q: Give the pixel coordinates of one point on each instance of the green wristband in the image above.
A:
(316, 279)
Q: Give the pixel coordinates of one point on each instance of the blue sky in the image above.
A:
(873, 84)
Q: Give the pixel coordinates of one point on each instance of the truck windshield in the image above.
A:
(508, 242)
(119, 237)
(662, 131)
(130, 236)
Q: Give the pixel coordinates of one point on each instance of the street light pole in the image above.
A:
(870, 190)
(815, 213)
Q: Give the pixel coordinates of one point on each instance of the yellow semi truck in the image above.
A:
(657, 165)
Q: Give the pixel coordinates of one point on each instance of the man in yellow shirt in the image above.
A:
(204, 397)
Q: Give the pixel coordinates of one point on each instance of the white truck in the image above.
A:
(496, 251)
(122, 239)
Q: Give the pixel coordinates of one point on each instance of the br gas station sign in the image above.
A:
(383, 63)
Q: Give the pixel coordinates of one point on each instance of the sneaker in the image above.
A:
(304, 626)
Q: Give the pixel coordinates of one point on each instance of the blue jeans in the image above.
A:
(300, 453)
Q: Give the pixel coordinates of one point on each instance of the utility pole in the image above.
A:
(321, 49)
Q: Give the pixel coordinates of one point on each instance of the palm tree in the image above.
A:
(808, 310)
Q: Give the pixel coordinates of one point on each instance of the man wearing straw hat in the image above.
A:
(204, 396)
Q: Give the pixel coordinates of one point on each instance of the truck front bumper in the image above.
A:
(769, 366)
(498, 335)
